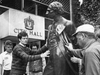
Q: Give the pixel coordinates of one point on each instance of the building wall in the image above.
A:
(1, 46)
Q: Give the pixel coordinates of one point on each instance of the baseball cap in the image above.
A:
(57, 6)
(85, 28)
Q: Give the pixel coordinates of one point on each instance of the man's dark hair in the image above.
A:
(8, 42)
(22, 34)
(35, 44)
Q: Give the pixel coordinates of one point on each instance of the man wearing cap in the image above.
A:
(57, 64)
(90, 49)
(6, 58)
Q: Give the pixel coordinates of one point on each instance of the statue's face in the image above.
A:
(50, 13)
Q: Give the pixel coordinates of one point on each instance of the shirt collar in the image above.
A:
(22, 45)
(7, 52)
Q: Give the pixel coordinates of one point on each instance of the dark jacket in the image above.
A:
(21, 55)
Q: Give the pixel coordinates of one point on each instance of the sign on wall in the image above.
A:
(32, 24)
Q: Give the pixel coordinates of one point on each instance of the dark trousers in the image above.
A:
(6, 72)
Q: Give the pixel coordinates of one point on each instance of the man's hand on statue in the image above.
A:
(46, 54)
(75, 59)
(70, 46)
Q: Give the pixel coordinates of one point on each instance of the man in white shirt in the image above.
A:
(6, 58)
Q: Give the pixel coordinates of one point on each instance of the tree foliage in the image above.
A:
(88, 12)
